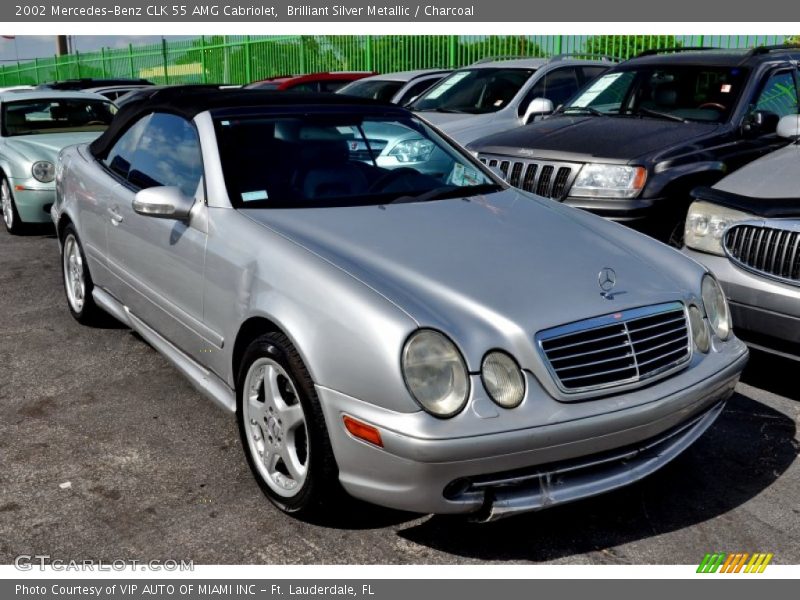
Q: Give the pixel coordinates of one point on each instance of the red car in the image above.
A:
(313, 82)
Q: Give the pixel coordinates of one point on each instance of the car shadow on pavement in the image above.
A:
(773, 374)
(742, 454)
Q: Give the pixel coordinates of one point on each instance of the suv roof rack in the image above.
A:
(773, 48)
(487, 59)
(567, 55)
(653, 51)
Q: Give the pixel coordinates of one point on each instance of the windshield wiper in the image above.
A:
(659, 115)
(448, 191)
(583, 109)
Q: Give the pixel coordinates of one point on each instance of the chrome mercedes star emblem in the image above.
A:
(607, 278)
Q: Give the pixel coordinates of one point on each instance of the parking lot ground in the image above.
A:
(156, 472)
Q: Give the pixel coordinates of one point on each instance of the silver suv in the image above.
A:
(497, 94)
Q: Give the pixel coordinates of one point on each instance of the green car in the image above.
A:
(34, 127)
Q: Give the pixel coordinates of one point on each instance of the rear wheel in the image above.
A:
(282, 428)
(78, 284)
(10, 215)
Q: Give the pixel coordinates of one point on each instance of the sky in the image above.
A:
(39, 46)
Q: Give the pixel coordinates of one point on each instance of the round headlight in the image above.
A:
(435, 373)
(699, 329)
(503, 379)
(719, 316)
(43, 171)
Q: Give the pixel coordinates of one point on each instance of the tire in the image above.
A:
(283, 430)
(77, 280)
(11, 220)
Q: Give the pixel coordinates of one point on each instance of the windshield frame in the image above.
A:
(344, 112)
(459, 73)
(49, 100)
(630, 105)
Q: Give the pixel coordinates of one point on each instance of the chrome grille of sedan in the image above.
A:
(546, 178)
(621, 348)
(770, 251)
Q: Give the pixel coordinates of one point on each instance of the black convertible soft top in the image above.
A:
(190, 100)
(769, 208)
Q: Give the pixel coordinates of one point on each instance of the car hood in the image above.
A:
(492, 270)
(47, 146)
(776, 175)
(587, 137)
(461, 127)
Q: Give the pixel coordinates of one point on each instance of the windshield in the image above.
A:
(62, 115)
(383, 90)
(693, 93)
(474, 91)
(342, 160)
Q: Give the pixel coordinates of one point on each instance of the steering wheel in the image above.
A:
(712, 105)
(96, 123)
(382, 182)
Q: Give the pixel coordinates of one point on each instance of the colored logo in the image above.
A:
(738, 562)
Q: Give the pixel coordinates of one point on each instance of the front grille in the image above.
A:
(545, 178)
(771, 251)
(617, 349)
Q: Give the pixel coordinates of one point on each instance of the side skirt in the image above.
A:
(202, 379)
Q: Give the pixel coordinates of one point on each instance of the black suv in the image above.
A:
(631, 145)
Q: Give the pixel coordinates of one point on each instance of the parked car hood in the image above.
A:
(776, 175)
(462, 127)
(47, 146)
(587, 138)
(490, 270)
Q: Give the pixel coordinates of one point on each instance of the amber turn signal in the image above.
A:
(362, 431)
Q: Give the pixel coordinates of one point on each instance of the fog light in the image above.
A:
(503, 379)
(699, 329)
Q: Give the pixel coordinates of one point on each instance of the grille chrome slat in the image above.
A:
(771, 250)
(656, 343)
(612, 348)
(551, 179)
(600, 339)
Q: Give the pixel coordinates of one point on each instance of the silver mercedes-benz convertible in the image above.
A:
(427, 339)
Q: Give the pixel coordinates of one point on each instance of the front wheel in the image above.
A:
(282, 428)
(11, 218)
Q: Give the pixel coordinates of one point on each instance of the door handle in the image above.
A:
(116, 218)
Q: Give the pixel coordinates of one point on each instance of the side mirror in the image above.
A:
(789, 126)
(166, 202)
(760, 122)
(537, 108)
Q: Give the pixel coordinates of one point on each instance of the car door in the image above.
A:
(159, 262)
(95, 198)
(557, 85)
(775, 98)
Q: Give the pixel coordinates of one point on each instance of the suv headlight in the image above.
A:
(608, 181)
(43, 171)
(706, 224)
(717, 311)
(412, 151)
(435, 373)
(503, 379)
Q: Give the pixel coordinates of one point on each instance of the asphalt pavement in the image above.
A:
(106, 452)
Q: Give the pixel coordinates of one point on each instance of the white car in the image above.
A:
(495, 95)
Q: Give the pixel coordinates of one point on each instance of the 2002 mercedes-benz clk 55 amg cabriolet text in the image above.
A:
(427, 339)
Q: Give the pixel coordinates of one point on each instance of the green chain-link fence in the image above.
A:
(241, 59)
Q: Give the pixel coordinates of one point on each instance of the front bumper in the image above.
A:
(33, 202)
(631, 211)
(439, 475)
(765, 313)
